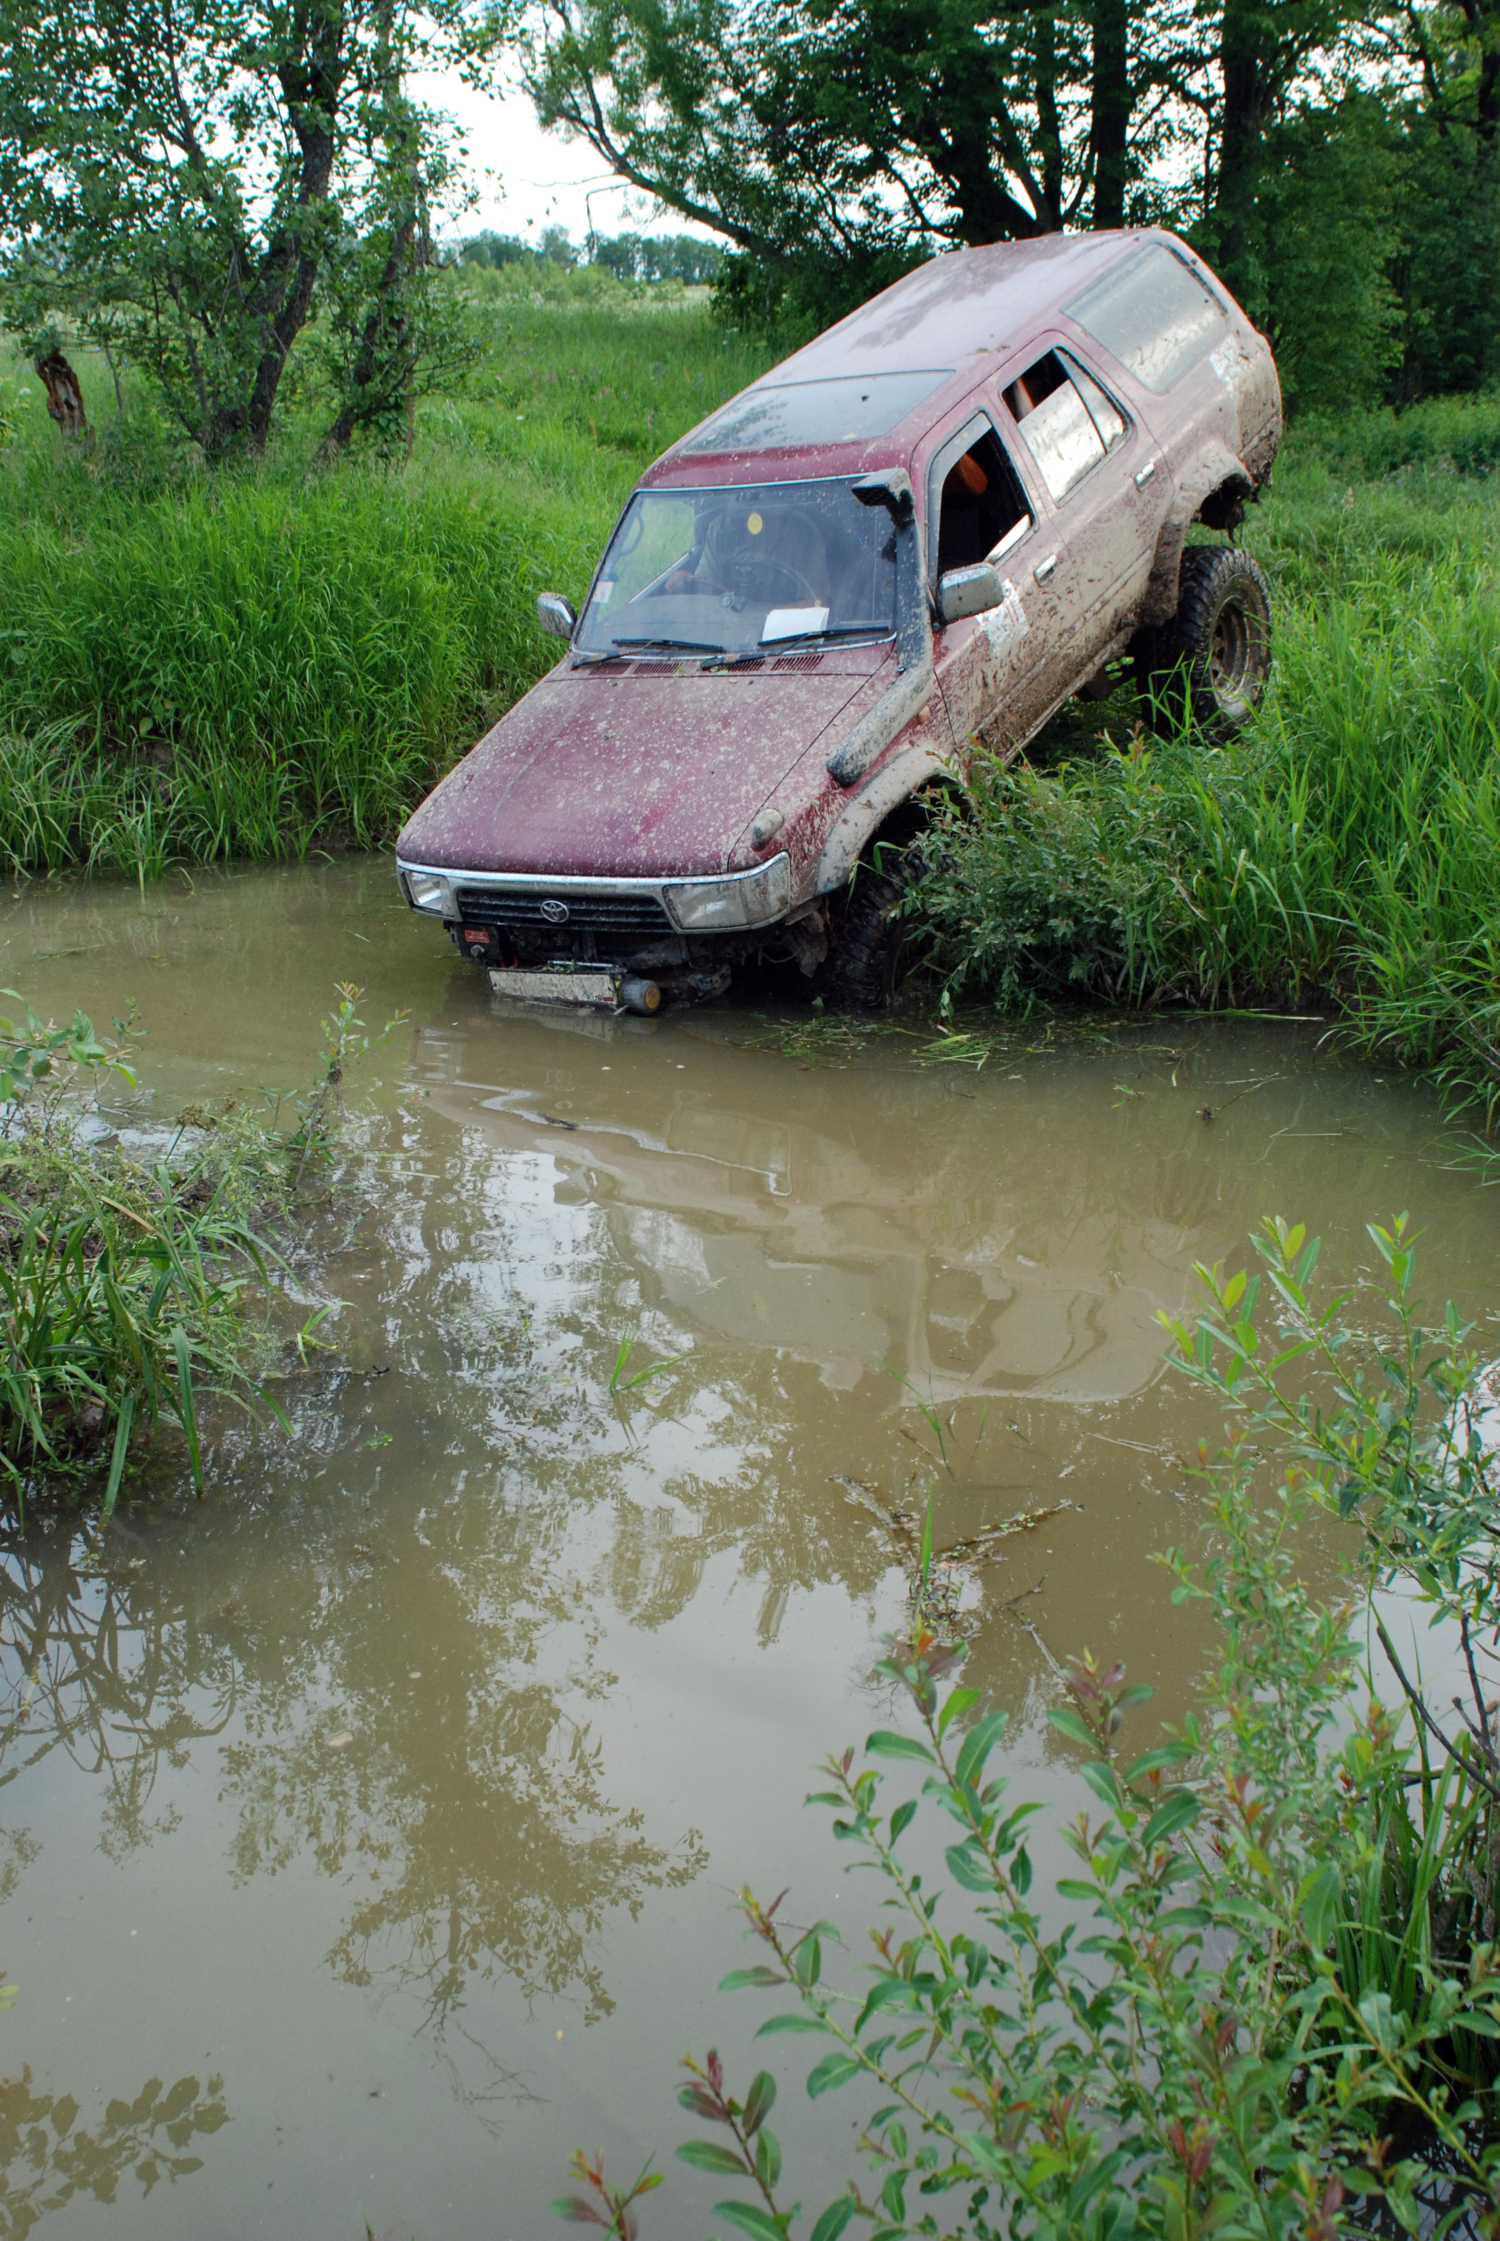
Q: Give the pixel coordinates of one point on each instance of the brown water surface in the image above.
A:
(393, 1798)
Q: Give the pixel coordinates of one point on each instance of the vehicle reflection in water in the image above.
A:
(425, 1754)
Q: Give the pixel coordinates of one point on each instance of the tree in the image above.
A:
(834, 143)
(176, 175)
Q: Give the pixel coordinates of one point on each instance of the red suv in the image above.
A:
(929, 527)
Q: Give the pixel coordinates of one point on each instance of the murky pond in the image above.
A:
(372, 1827)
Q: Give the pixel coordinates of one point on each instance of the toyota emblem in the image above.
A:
(554, 912)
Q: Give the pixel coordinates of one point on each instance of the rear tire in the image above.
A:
(1211, 661)
(868, 934)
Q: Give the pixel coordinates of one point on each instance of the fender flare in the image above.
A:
(909, 769)
(1214, 467)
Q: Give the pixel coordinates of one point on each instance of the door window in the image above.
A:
(1068, 421)
(982, 510)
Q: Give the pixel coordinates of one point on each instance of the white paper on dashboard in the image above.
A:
(791, 622)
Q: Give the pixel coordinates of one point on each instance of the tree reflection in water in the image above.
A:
(369, 1681)
(47, 2157)
(103, 1662)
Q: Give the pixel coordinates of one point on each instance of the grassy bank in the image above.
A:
(265, 662)
(1347, 846)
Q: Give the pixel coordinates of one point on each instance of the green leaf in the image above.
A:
(833, 2220)
(737, 1979)
(117, 1459)
(750, 2220)
(902, 1818)
(576, 2209)
(958, 1703)
(1067, 1722)
(798, 2022)
(760, 2100)
(186, 1410)
(1178, 1811)
(1317, 1904)
(767, 2157)
(1100, 1777)
(707, 2155)
(883, 1744)
(967, 1865)
(978, 1744)
(833, 2071)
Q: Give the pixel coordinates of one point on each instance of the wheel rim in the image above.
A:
(1235, 656)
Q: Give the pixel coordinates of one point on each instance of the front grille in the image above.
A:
(639, 917)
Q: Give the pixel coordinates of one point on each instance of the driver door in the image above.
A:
(978, 509)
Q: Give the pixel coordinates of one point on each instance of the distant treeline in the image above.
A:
(629, 256)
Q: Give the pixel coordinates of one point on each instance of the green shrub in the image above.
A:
(1444, 435)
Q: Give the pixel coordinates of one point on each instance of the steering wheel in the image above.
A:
(748, 571)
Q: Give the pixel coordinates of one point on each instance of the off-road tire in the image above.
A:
(867, 934)
(1211, 661)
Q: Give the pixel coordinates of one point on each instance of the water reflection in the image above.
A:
(47, 2157)
(397, 1703)
(96, 1661)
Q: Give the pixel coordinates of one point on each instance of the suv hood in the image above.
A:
(631, 773)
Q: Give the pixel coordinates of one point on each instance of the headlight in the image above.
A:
(712, 906)
(425, 891)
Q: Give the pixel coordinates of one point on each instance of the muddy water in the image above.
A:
(394, 1797)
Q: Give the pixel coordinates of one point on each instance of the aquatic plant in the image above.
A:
(1268, 2001)
(131, 1288)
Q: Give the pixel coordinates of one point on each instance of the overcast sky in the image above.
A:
(528, 179)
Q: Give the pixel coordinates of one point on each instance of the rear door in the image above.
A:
(1107, 491)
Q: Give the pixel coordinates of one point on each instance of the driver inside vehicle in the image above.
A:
(758, 553)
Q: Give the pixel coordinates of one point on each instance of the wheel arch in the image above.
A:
(897, 785)
(1213, 490)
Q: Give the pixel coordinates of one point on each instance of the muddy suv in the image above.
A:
(956, 508)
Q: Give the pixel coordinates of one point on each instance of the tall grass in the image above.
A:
(263, 662)
(1346, 846)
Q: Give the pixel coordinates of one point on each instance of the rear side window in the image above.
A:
(1154, 314)
(1068, 421)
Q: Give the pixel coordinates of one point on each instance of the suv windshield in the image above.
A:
(735, 571)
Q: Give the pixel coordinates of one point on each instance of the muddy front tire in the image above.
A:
(870, 931)
(1211, 661)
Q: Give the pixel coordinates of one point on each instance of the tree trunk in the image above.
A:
(1109, 130)
(64, 396)
(1244, 118)
(384, 326)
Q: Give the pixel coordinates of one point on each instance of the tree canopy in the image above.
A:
(1342, 169)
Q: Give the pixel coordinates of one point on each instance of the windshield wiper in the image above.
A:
(668, 645)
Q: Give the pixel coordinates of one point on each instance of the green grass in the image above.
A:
(1345, 847)
(266, 662)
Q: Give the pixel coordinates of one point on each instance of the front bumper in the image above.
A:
(618, 914)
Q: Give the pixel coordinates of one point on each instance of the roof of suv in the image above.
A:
(965, 304)
(962, 303)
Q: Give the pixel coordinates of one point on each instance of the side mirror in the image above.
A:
(968, 591)
(556, 614)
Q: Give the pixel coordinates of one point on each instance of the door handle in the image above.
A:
(1045, 568)
(1145, 474)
